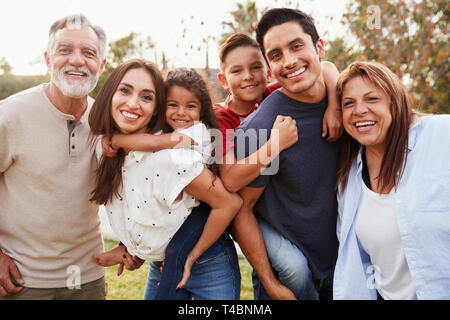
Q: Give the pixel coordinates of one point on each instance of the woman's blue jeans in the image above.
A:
(214, 276)
(291, 268)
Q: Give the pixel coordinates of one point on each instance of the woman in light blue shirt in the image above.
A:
(393, 192)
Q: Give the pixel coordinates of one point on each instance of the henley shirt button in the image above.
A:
(73, 147)
(73, 134)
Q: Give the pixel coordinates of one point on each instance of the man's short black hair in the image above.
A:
(277, 16)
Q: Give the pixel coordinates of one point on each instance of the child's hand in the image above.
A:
(287, 131)
(107, 148)
(183, 141)
(187, 271)
(332, 124)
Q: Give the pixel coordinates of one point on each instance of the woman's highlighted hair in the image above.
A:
(395, 155)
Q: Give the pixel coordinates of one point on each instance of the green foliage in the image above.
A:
(11, 84)
(410, 37)
(130, 46)
(245, 20)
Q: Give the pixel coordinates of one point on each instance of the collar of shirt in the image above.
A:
(421, 204)
(237, 115)
(133, 157)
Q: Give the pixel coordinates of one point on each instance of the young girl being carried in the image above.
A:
(187, 96)
(148, 195)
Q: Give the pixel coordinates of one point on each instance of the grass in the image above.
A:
(131, 284)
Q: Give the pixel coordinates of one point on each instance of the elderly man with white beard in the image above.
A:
(49, 229)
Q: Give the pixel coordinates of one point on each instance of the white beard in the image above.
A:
(73, 88)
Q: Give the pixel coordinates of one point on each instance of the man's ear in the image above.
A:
(102, 67)
(269, 75)
(47, 59)
(223, 81)
(320, 47)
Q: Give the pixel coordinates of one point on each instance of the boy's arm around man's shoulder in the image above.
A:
(332, 127)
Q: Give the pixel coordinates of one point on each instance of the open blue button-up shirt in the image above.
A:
(422, 207)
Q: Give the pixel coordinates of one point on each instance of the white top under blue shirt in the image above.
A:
(147, 214)
(422, 208)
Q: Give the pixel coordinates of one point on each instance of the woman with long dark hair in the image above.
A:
(149, 195)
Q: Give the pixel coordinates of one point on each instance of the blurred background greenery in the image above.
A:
(131, 284)
(410, 36)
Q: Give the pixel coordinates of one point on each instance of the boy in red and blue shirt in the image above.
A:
(246, 75)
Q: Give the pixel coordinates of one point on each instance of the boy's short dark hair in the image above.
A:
(235, 41)
(277, 16)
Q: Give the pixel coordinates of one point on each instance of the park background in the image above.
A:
(410, 36)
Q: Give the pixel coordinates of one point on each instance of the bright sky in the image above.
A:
(24, 25)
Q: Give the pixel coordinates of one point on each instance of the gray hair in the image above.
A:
(76, 20)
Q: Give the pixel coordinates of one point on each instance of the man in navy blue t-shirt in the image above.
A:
(292, 230)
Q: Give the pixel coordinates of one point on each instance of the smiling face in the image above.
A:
(293, 59)
(366, 113)
(134, 101)
(245, 74)
(74, 62)
(183, 108)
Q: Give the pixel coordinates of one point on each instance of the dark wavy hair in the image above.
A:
(191, 80)
(276, 16)
(109, 172)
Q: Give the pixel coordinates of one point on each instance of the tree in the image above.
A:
(245, 19)
(409, 36)
(11, 84)
(5, 66)
(130, 46)
(246, 16)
